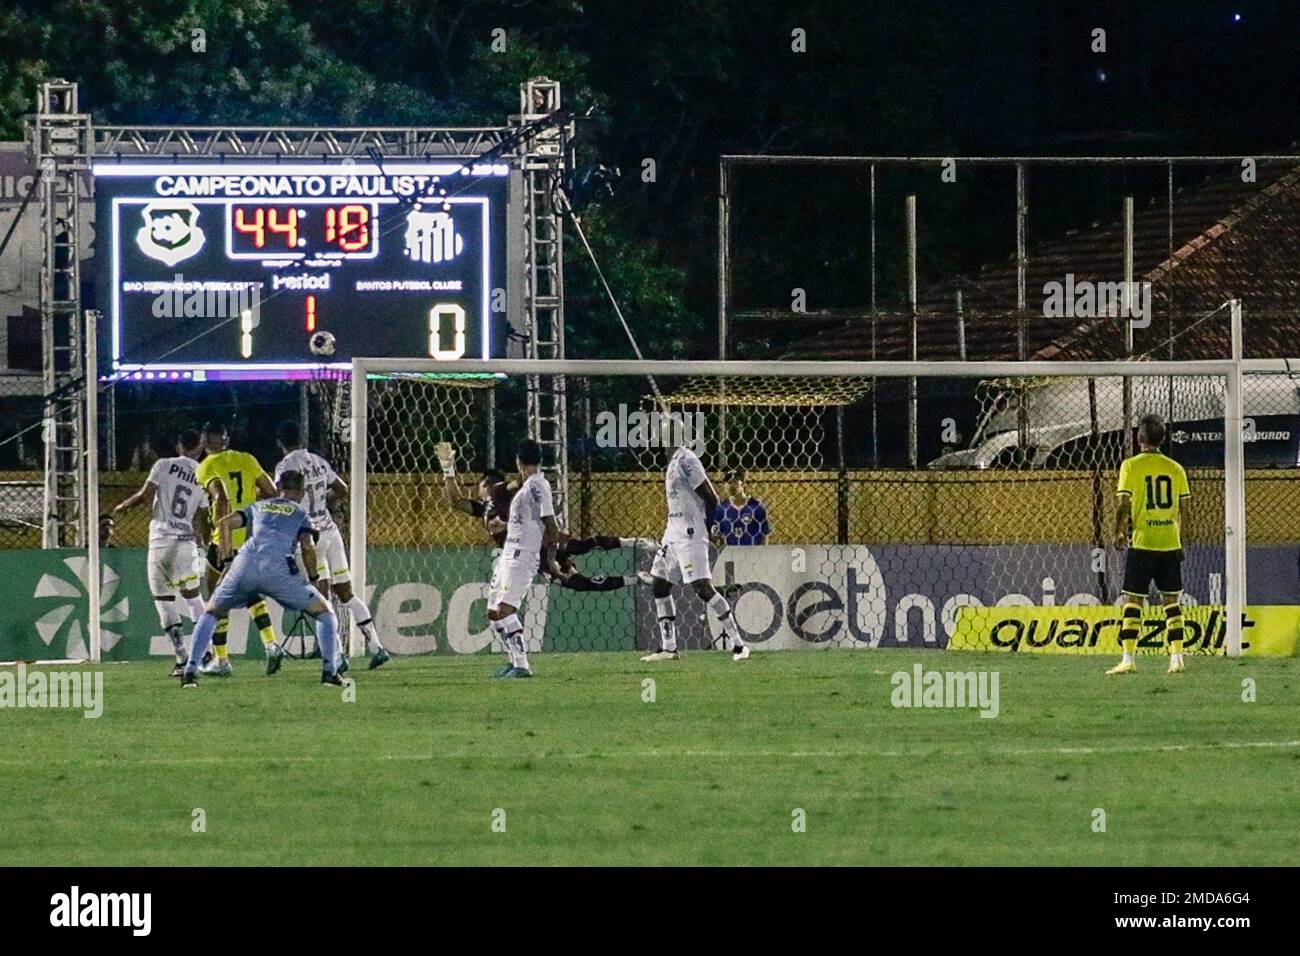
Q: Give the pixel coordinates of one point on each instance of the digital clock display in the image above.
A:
(300, 231)
(226, 270)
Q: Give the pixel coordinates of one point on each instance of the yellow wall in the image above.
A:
(884, 507)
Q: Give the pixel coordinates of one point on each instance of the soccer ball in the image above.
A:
(321, 343)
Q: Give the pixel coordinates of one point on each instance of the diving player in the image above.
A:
(492, 506)
(265, 566)
(320, 481)
(177, 502)
(232, 480)
(1152, 488)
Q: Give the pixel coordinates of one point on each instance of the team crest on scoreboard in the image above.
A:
(431, 237)
(170, 233)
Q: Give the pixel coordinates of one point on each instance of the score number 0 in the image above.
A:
(437, 314)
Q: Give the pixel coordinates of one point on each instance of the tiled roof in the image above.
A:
(1229, 239)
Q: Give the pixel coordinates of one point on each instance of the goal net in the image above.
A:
(861, 504)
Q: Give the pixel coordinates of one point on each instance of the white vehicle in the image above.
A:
(1041, 424)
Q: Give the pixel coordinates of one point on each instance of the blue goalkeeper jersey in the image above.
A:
(274, 525)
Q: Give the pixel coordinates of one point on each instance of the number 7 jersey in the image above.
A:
(238, 471)
(1155, 486)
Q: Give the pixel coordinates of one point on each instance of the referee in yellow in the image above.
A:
(1152, 489)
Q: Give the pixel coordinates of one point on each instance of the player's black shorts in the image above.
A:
(1142, 567)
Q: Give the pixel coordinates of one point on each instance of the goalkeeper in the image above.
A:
(492, 508)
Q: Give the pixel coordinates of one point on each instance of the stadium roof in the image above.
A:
(1229, 240)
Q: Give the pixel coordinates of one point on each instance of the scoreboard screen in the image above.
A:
(273, 270)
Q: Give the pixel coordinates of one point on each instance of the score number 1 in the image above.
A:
(446, 311)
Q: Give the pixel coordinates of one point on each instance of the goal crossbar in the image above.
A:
(363, 367)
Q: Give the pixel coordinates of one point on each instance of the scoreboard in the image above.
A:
(272, 270)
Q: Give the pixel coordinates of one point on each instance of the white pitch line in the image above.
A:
(218, 759)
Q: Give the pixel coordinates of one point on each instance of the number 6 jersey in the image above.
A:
(177, 499)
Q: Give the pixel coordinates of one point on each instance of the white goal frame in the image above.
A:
(1230, 370)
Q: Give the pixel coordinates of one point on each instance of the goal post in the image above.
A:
(1009, 511)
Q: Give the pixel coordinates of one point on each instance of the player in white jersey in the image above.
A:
(179, 513)
(683, 555)
(320, 483)
(531, 536)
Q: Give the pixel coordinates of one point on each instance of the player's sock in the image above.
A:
(722, 611)
(170, 618)
(666, 611)
(361, 614)
(203, 635)
(195, 605)
(513, 629)
(1128, 633)
(608, 542)
(327, 633)
(577, 546)
(262, 620)
(219, 639)
(174, 635)
(1174, 627)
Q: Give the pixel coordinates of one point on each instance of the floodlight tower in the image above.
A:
(545, 158)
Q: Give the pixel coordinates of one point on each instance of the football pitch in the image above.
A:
(788, 758)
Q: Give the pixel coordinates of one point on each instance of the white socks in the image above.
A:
(512, 636)
(361, 614)
(722, 611)
(666, 611)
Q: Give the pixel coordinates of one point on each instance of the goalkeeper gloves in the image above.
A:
(447, 459)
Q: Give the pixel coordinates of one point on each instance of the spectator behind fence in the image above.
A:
(740, 518)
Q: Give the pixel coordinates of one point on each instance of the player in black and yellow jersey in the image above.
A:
(1152, 489)
(233, 480)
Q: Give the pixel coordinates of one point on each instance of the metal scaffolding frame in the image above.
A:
(545, 160)
(295, 141)
(59, 138)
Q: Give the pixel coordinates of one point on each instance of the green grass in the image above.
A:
(709, 773)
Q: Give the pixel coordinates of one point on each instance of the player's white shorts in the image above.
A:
(332, 557)
(174, 564)
(511, 579)
(682, 562)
